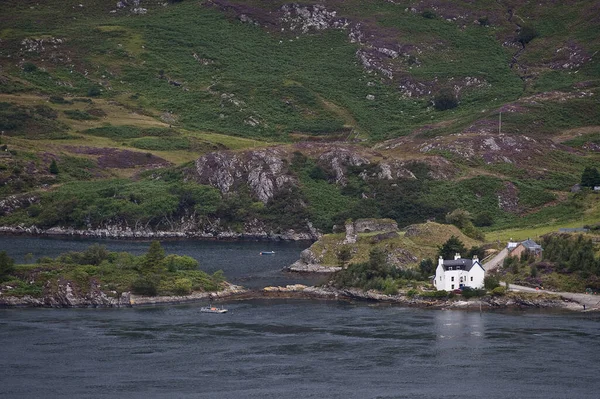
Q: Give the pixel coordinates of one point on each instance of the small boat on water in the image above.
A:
(213, 309)
(267, 252)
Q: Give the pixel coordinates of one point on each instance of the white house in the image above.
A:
(458, 273)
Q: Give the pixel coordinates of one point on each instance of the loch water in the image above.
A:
(296, 349)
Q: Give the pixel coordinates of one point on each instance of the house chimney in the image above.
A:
(475, 258)
(440, 261)
(457, 256)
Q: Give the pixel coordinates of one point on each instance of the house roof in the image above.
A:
(531, 245)
(465, 264)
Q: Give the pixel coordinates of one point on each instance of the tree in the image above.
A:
(53, 167)
(590, 177)
(451, 247)
(427, 267)
(445, 99)
(153, 260)
(7, 265)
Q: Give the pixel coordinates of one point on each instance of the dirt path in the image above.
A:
(587, 301)
(496, 261)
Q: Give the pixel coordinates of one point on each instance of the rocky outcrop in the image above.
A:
(309, 263)
(62, 294)
(338, 159)
(264, 171)
(15, 202)
(65, 296)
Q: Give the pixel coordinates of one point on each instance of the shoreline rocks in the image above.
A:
(117, 232)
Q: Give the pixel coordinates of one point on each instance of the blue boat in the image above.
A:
(267, 252)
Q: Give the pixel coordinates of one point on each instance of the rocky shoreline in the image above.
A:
(66, 299)
(117, 232)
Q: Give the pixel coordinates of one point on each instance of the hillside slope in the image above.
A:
(295, 113)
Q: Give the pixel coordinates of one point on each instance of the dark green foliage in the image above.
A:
(78, 115)
(375, 274)
(59, 100)
(483, 219)
(144, 285)
(445, 99)
(511, 263)
(344, 255)
(175, 262)
(29, 67)
(571, 254)
(483, 21)
(53, 167)
(93, 255)
(469, 292)
(427, 267)
(7, 265)
(149, 274)
(429, 14)
(533, 271)
(590, 177)
(490, 282)
(526, 34)
(152, 263)
(94, 91)
(451, 247)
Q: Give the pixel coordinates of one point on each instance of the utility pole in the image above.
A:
(500, 123)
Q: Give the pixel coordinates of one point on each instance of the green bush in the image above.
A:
(182, 286)
(428, 14)
(176, 262)
(491, 282)
(499, 291)
(445, 99)
(78, 115)
(29, 67)
(145, 286)
(526, 34)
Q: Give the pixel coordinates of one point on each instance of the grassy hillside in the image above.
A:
(108, 92)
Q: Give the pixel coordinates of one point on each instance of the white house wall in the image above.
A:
(452, 279)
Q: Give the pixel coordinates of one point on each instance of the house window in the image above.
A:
(452, 279)
(471, 278)
(452, 286)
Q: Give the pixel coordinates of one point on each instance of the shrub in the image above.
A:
(176, 262)
(59, 100)
(94, 91)
(484, 219)
(53, 167)
(144, 286)
(78, 115)
(29, 67)
(491, 282)
(411, 293)
(7, 265)
(483, 21)
(445, 99)
(499, 291)
(526, 34)
(471, 293)
(428, 14)
(183, 286)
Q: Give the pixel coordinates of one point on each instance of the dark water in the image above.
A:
(292, 349)
(297, 349)
(240, 260)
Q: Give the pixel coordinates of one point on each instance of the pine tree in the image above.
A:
(53, 167)
(590, 177)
